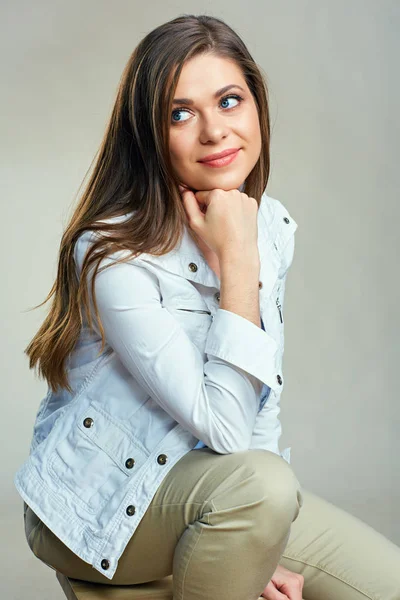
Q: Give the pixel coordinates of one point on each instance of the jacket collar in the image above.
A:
(275, 227)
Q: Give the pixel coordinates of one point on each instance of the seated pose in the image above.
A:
(155, 450)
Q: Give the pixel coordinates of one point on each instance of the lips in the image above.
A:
(217, 155)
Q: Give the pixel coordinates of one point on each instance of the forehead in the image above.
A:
(202, 75)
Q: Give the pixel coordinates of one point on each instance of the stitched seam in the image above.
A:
(187, 564)
(215, 510)
(325, 570)
(173, 504)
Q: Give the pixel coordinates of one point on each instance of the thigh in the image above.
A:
(340, 556)
(32, 523)
(198, 480)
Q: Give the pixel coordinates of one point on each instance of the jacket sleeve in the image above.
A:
(216, 400)
(267, 427)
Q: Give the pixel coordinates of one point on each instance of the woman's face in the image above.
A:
(209, 124)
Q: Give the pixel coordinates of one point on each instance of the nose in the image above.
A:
(213, 128)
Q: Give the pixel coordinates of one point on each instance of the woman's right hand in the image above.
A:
(226, 220)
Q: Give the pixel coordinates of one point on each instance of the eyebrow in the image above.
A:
(218, 93)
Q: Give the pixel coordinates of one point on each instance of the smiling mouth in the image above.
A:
(223, 161)
(219, 155)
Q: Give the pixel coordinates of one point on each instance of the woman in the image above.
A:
(165, 336)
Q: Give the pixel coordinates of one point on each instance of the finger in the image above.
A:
(203, 196)
(202, 205)
(292, 590)
(288, 583)
(272, 593)
(191, 206)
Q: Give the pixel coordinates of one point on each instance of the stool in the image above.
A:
(76, 589)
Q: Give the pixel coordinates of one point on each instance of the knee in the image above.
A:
(274, 482)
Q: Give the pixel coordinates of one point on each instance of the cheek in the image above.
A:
(254, 135)
(250, 128)
(254, 127)
(174, 151)
(179, 147)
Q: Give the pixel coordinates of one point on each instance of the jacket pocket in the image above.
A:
(95, 459)
(279, 300)
(194, 318)
(279, 313)
(272, 313)
(197, 311)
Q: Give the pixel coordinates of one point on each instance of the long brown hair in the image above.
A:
(133, 172)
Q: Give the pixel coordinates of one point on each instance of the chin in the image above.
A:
(225, 184)
(222, 184)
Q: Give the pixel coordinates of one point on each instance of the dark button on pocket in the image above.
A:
(217, 296)
(193, 267)
(130, 510)
(105, 564)
(279, 379)
(162, 459)
(286, 220)
(88, 422)
(129, 463)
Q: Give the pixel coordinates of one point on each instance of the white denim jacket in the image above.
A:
(177, 373)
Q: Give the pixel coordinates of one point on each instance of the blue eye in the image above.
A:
(224, 99)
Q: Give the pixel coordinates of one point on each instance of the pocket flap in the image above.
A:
(112, 437)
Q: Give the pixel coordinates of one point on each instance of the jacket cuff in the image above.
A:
(239, 341)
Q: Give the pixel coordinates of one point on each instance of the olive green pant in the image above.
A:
(221, 524)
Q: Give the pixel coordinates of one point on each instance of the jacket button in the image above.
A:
(129, 463)
(105, 564)
(130, 510)
(260, 285)
(217, 296)
(88, 422)
(193, 267)
(279, 379)
(162, 459)
(286, 220)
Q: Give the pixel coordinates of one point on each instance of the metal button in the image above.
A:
(279, 379)
(286, 220)
(162, 459)
(260, 285)
(129, 463)
(217, 296)
(88, 422)
(105, 564)
(193, 267)
(130, 510)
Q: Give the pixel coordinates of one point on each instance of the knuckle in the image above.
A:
(254, 202)
(194, 222)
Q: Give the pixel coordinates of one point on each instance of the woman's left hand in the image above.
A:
(284, 585)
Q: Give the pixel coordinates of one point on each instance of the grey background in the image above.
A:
(332, 69)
